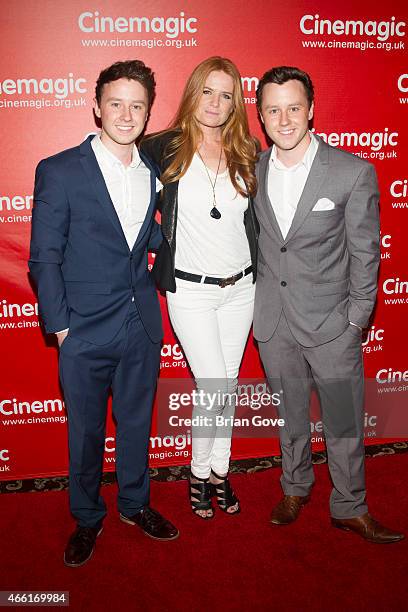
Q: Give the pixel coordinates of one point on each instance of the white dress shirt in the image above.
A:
(128, 186)
(285, 185)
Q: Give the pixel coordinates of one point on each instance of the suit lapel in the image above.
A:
(96, 180)
(263, 193)
(311, 189)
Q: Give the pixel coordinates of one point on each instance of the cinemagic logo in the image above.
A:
(399, 191)
(373, 341)
(399, 188)
(172, 356)
(179, 442)
(9, 407)
(8, 311)
(395, 286)
(93, 22)
(403, 83)
(373, 140)
(4, 457)
(313, 25)
(249, 86)
(59, 88)
(386, 241)
(172, 351)
(389, 375)
(16, 203)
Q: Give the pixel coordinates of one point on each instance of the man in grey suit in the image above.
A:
(317, 281)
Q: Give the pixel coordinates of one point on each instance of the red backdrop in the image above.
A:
(51, 55)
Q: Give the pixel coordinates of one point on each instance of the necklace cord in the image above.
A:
(208, 174)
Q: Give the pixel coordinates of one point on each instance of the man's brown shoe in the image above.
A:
(369, 529)
(288, 509)
(153, 524)
(81, 545)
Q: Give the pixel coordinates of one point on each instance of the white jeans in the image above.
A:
(212, 325)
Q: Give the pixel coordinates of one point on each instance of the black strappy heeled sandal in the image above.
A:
(200, 496)
(225, 494)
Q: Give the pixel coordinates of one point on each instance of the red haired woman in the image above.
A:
(207, 261)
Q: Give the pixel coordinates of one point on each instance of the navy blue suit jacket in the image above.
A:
(79, 257)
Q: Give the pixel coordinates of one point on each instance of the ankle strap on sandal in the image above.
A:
(219, 477)
(199, 479)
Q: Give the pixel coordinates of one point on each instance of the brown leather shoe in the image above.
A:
(81, 545)
(288, 509)
(153, 524)
(369, 529)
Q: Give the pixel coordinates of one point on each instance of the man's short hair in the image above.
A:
(133, 70)
(280, 75)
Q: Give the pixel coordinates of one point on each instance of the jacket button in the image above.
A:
(284, 283)
(283, 250)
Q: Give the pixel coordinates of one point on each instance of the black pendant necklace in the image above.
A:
(214, 212)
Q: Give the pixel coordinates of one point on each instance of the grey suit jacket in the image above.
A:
(324, 273)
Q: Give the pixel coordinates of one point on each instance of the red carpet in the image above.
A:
(230, 563)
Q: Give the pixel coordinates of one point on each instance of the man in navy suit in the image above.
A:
(93, 224)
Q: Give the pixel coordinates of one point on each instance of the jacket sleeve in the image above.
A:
(363, 244)
(49, 234)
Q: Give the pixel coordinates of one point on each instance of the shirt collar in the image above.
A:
(111, 159)
(306, 161)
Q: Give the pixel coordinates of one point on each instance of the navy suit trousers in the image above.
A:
(127, 366)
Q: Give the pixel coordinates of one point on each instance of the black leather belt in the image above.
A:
(213, 280)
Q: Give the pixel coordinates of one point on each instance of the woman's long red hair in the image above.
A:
(239, 147)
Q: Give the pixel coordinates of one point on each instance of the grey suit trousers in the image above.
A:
(336, 369)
